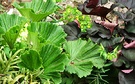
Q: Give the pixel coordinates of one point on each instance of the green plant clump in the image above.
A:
(72, 13)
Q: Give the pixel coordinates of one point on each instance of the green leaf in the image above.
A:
(53, 62)
(33, 41)
(59, 0)
(48, 32)
(8, 21)
(10, 26)
(31, 60)
(11, 36)
(83, 56)
(55, 77)
(37, 9)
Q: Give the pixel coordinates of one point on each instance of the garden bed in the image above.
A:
(69, 42)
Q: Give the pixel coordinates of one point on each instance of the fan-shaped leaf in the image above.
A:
(31, 60)
(53, 62)
(49, 33)
(8, 21)
(10, 26)
(34, 41)
(83, 56)
(37, 9)
(11, 36)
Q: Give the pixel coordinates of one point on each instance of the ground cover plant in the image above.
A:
(72, 13)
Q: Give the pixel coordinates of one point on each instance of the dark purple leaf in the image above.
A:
(102, 32)
(92, 3)
(129, 54)
(125, 78)
(130, 28)
(100, 11)
(120, 63)
(90, 7)
(127, 35)
(107, 43)
(123, 63)
(102, 29)
(72, 30)
(108, 25)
